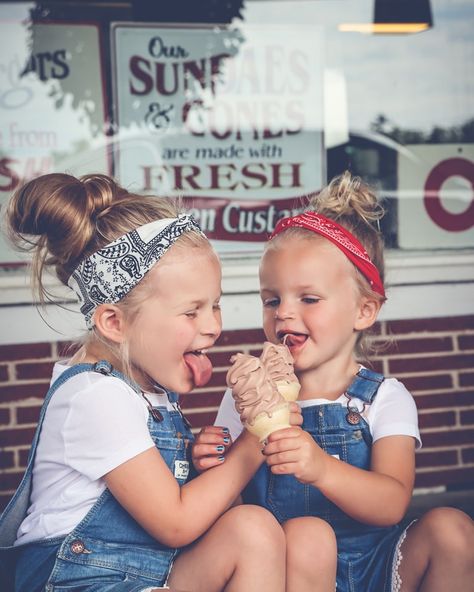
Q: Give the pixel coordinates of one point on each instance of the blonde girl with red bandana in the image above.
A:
(341, 484)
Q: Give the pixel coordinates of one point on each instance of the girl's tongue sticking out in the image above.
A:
(200, 367)
(292, 339)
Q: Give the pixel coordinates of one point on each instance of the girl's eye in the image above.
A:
(271, 302)
(310, 299)
(192, 314)
(217, 306)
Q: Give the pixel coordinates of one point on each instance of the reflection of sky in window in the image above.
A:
(54, 118)
(417, 81)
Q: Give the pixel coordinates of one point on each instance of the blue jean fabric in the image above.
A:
(365, 552)
(108, 549)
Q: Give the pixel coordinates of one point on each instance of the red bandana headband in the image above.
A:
(341, 237)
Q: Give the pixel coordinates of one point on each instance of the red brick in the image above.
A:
(433, 420)
(218, 379)
(448, 438)
(34, 370)
(7, 459)
(28, 351)
(467, 417)
(16, 436)
(23, 457)
(4, 499)
(466, 341)
(4, 416)
(422, 364)
(445, 477)
(420, 345)
(466, 378)
(376, 365)
(426, 383)
(220, 359)
(375, 330)
(241, 336)
(4, 373)
(436, 459)
(66, 349)
(28, 414)
(467, 455)
(10, 481)
(447, 324)
(194, 400)
(460, 399)
(199, 420)
(17, 392)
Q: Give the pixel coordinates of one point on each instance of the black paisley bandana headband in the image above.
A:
(111, 272)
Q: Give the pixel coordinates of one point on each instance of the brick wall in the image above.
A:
(434, 358)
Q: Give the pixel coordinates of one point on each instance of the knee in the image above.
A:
(254, 527)
(310, 544)
(450, 531)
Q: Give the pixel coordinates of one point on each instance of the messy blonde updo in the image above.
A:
(353, 204)
(61, 220)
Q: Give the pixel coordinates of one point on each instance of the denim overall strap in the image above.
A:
(365, 385)
(16, 509)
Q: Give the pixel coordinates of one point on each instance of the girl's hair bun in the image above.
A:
(348, 197)
(101, 191)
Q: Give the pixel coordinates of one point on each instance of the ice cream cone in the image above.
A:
(261, 407)
(288, 390)
(266, 423)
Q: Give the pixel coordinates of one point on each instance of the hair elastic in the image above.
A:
(342, 238)
(110, 273)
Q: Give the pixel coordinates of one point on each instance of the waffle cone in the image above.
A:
(264, 425)
(288, 390)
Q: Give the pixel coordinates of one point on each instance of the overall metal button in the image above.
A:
(77, 547)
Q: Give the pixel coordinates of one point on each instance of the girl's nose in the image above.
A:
(213, 324)
(284, 312)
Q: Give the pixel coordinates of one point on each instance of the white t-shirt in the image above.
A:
(93, 424)
(393, 412)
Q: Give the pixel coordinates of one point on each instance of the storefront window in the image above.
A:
(246, 115)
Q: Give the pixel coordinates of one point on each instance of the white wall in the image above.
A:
(421, 285)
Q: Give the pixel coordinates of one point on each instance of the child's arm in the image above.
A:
(174, 515)
(379, 496)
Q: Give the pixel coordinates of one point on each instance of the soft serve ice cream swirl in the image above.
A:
(254, 394)
(279, 364)
(262, 408)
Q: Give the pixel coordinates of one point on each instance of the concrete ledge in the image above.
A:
(463, 500)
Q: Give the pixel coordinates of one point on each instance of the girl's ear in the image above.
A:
(367, 314)
(109, 321)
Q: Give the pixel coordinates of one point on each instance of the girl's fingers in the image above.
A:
(213, 435)
(283, 469)
(279, 458)
(207, 450)
(293, 432)
(216, 429)
(296, 419)
(208, 462)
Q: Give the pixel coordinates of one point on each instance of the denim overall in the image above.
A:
(365, 552)
(108, 550)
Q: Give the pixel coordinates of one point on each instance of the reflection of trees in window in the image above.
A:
(103, 13)
(463, 133)
(373, 156)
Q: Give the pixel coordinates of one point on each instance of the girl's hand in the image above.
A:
(293, 451)
(296, 417)
(210, 447)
